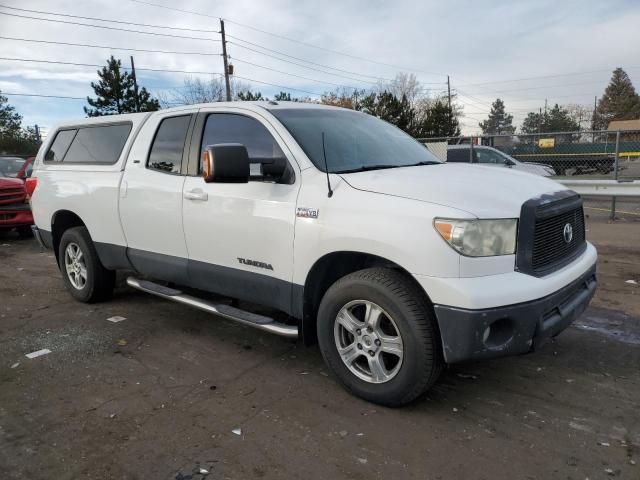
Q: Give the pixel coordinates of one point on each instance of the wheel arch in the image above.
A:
(61, 221)
(325, 272)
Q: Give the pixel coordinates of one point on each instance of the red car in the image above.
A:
(15, 211)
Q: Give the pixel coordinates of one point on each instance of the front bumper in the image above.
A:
(16, 215)
(510, 330)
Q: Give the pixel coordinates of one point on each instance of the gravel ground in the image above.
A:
(160, 394)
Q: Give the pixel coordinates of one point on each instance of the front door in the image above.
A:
(240, 235)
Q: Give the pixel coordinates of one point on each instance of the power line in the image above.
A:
(301, 59)
(301, 65)
(292, 74)
(159, 70)
(108, 27)
(43, 12)
(541, 87)
(288, 39)
(279, 86)
(304, 66)
(56, 62)
(109, 47)
(541, 76)
(45, 96)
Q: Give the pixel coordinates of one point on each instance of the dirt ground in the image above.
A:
(158, 395)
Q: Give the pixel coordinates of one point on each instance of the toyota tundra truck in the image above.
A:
(351, 232)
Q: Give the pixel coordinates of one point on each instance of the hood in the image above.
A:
(10, 182)
(485, 192)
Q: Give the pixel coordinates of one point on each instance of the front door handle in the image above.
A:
(196, 194)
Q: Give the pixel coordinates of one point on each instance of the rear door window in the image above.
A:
(98, 144)
(168, 145)
(60, 145)
(93, 145)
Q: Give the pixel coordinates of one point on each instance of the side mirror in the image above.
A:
(225, 163)
(508, 163)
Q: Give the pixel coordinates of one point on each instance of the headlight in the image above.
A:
(479, 238)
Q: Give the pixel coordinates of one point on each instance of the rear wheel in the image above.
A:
(378, 336)
(84, 276)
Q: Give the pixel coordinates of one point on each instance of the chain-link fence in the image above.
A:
(589, 155)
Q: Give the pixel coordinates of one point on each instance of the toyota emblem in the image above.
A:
(568, 233)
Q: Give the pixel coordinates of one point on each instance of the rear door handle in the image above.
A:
(196, 194)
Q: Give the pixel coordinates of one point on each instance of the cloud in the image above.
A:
(473, 42)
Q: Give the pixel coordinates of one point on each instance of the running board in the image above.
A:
(241, 316)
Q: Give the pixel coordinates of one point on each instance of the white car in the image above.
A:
(395, 262)
(492, 157)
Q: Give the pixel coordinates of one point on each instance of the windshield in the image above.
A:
(9, 167)
(354, 141)
(508, 157)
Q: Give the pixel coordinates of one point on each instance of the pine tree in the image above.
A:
(249, 96)
(10, 120)
(13, 138)
(499, 121)
(436, 120)
(619, 102)
(557, 119)
(115, 93)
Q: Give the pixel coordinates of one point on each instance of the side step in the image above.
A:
(241, 316)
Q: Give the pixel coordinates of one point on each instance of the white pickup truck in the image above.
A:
(345, 227)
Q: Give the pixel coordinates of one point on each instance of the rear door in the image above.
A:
(151, 197)
(240, 235)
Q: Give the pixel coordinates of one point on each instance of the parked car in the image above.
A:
(16, 167)
(15, 212)
(492, 157)
(395, 262)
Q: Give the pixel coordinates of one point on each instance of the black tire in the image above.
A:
(25, 232)
(402, 299)
(99, 281)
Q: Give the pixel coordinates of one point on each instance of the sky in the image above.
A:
(524, 52)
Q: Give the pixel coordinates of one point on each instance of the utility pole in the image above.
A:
(593, 121)
(38, 134)
(545, 107)
(226, 62)
(450, 113)
(540, 120)
(135, 84)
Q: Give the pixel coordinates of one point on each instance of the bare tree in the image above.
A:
(581, 114)
(196, 90)
(403, 84)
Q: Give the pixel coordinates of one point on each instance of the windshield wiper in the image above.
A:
(366, 168)
(423, 163)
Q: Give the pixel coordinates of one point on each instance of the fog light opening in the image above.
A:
(498, 334)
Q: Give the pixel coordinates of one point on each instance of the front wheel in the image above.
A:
(84, 275)
(377, 334)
